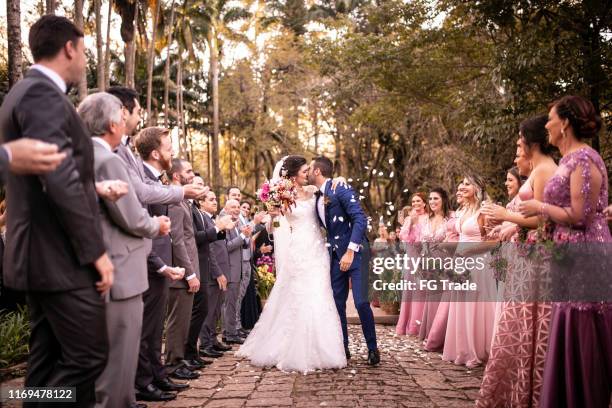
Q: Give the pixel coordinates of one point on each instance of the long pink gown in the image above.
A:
(513, 376)
(437, 331)
(470, 323)
(410, 309)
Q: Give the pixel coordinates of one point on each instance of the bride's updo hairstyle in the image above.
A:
(583, 118)
(292, 165)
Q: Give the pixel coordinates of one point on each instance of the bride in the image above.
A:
(299, 329)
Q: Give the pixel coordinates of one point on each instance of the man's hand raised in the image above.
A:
(194, 191)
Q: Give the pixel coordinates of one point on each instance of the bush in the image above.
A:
(14, 337)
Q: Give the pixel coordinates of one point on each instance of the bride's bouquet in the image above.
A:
(277, 193)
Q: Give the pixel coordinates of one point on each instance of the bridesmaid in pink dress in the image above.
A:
(434, 232)
(513, 376)
(437, 332)
(412, 309)
(578, 368)
(470, 323)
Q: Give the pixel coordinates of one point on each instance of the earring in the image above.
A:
(563, 133)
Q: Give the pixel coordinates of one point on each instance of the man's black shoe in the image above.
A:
(373, 357)
(243, 332)
(192, 364)
(138, 405)
(168, 385)
(221, 347)
(210, 352)
(152, 393)
(233, 340)
(183, 373)
(347, 353)
(202, 361)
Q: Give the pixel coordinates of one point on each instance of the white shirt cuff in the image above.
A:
(353, 247)
(162, 269)
(190, 277)
(243, 236)
(217, 229)
(9, 154)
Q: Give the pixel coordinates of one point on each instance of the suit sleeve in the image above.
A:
(180, 255)
(358, 219)
(4, 165)
(41, 114)
(215, 269)
(150, 192)
(127, 212)
(154, 262)
(236, 243)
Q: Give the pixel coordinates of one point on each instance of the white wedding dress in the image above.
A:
(299, 328)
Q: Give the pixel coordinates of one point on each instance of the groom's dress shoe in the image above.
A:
(168, 385)
(210, 352)
(347, 353)
(152, 393)
(221, 347)
(183, 373)
(233, 340)
(373, 357)
(203, 362)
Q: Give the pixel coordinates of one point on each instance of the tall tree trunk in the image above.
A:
(50, 6)
(167, 70)
(130, 55)
(214, 67)
(107, 51)
(13, 19)
(78, 21)
(179, 88)
(151, 62)
(99, 45)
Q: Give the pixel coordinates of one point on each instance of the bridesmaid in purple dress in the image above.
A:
(578, 368)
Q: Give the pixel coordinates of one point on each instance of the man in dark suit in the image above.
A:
(55, 249)
(206, 232)
(152, 382)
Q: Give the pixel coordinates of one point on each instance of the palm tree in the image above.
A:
(215, 19)
(99, 46)
(13, 20)
(128, 10)
(107, 51)
(78, 21)
(167, 68)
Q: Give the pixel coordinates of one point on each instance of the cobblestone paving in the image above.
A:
(406, 377)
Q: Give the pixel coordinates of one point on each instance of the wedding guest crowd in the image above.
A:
(103, 247)
(537, 351)
(119, 246)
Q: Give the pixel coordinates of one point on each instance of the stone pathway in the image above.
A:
(406, 377)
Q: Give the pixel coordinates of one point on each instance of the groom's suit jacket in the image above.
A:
(345, 220)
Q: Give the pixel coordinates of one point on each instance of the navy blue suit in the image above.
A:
(346, 222)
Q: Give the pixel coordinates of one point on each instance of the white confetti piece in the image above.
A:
(380, 173)
(353, 371)
(353, 200)
(406, 190)
(391, 161)
(341, 219)
(391, 174)
(392, 207)
(365, 184)
(327, 245)
(334, 220)
(350, 180)
(337, 237)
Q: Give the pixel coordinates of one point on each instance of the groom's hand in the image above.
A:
(347, 260)
(222, 281)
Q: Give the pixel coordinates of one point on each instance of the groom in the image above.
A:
(341, 215)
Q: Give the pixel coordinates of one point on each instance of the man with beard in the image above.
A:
(148, 191)
(185, 255)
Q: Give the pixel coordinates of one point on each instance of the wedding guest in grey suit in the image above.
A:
(230, 262)
(184, 255)
(124, 224)
(148, 191)
(55, 251)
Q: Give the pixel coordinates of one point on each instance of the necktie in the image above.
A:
(318, 193)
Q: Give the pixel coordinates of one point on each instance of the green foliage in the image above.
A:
(14, 336)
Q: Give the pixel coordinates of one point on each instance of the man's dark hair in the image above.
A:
(50, 34)
(177, 167)
(149, 139)
(127, 96)
(233, 187)
(324, 165)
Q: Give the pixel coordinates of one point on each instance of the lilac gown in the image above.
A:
(470, 323)
(578, 368)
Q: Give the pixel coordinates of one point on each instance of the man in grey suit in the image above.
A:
(230, 262)
(184, 255)
(148, 191)
(124, 224)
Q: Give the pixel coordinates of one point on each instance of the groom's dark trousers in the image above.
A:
(340, 287)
